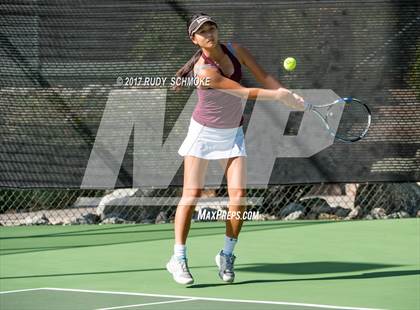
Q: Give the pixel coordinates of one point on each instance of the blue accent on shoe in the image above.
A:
(224, 254)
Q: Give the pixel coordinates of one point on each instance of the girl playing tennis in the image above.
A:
(215, 132)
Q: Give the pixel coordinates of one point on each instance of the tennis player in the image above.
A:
(215, 132)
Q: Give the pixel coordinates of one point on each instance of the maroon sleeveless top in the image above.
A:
(216, 108)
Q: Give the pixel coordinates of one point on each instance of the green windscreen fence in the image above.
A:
(64, 62)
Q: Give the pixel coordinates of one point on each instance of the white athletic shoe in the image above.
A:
(225, 264)
(179, 270)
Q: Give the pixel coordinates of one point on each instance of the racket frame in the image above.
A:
(347, 100)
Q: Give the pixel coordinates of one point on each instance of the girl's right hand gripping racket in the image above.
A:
(354, 122)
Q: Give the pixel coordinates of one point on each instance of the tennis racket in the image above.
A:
(354, 122)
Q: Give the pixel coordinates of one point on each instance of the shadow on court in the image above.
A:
(371, 275)
(290, 268)
(312, 267)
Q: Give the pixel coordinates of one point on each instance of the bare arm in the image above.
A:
(217, 81)
(247, 59)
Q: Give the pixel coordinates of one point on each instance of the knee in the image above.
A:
(237, 197)
(196, 192)
(237, 193)
(190, 197)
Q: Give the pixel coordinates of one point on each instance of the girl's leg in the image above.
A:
(194, 174)
(236, 175)
(236, 178)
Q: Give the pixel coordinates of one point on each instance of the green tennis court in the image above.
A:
(280, 265)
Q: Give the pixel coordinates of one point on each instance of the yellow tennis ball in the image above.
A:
(289, 64)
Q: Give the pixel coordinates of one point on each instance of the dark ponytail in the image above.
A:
(187, 69)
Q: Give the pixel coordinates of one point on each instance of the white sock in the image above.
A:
(229, 245)
(180, 251)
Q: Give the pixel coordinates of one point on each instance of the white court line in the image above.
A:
(148, 304)
(213, 299)
(25, 290)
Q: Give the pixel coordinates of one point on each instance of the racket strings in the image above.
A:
(354, 121)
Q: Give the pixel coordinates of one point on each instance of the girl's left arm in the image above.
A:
(245, 57)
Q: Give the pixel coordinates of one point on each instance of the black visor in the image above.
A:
(198, 22)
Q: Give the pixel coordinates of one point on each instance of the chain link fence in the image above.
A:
(280, 202)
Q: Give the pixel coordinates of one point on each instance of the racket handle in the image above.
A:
(307, 106)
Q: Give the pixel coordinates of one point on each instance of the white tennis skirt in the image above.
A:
(213, 143)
